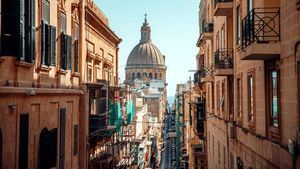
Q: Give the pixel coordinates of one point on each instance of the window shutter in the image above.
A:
(76, 56)
(69, 52)
(62, 51)
(52, 45)
(21, 50)
(43, 43)
(33, 38)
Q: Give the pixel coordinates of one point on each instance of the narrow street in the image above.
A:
(203, 84)
(168, 159)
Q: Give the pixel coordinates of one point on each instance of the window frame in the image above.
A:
(251, 123)
(273, 131)
(223, 97)
(218, 97)
(238, 24)
(239, 114)
(223, 38)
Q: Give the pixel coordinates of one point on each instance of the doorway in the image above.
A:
(48, 148)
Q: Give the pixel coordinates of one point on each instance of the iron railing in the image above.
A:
(224, 59)
(200, 115)
(207, 26)
(207, 71)
(98, 122)
(218, 1)
(261, 25)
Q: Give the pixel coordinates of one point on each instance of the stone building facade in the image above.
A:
(249, 71)
(43, 95)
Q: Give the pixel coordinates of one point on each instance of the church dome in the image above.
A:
(145, 54)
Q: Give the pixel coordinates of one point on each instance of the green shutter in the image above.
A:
(52, 45)
(21, 37)
(33, 38)
(43, 43)
(69, 52)
(62, 51)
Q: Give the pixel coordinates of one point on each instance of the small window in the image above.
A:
(217, 41)
(223, 99)
(89, 74)
(63, 22)
(239, 98)
(138, 75)
(75, 146)
(76, 47)
(218, 97)
(238, 25)
(222, 38)
(150, 75)
(274, 102)
(250, 91)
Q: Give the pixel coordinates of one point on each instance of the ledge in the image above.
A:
(45, 68)
(76, 74)
(24, 90)
(24, 64)
(62, 71)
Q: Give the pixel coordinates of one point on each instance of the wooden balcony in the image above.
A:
(207, 74)
(261, 34)
(223, 7)
(223, 62)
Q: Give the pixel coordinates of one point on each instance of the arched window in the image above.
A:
(133, 76)
(150, 75)
(155, 77)
(145, 74)
(160, 76)
(139, 75)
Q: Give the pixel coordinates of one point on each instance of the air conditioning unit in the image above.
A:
(232, 132)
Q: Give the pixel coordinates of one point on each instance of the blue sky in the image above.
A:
(174, 26)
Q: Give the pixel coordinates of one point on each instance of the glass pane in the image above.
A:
(250, 99)
(46, 12)
(274, 98)
(63, 22)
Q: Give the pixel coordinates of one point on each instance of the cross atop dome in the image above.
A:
(145, 18)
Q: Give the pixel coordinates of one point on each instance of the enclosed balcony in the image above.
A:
(207, 29)
(223, 7)
(199, 151)
(200, 117)
(223, 62)
(207, 74)
(261, 34)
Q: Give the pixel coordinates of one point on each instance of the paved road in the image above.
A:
(168, 158)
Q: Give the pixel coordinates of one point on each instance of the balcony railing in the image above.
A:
(261, 25)
(207, 26)
(200, 110)
(207, 73)
(98, 122)
(224, 59)
(218, 1)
